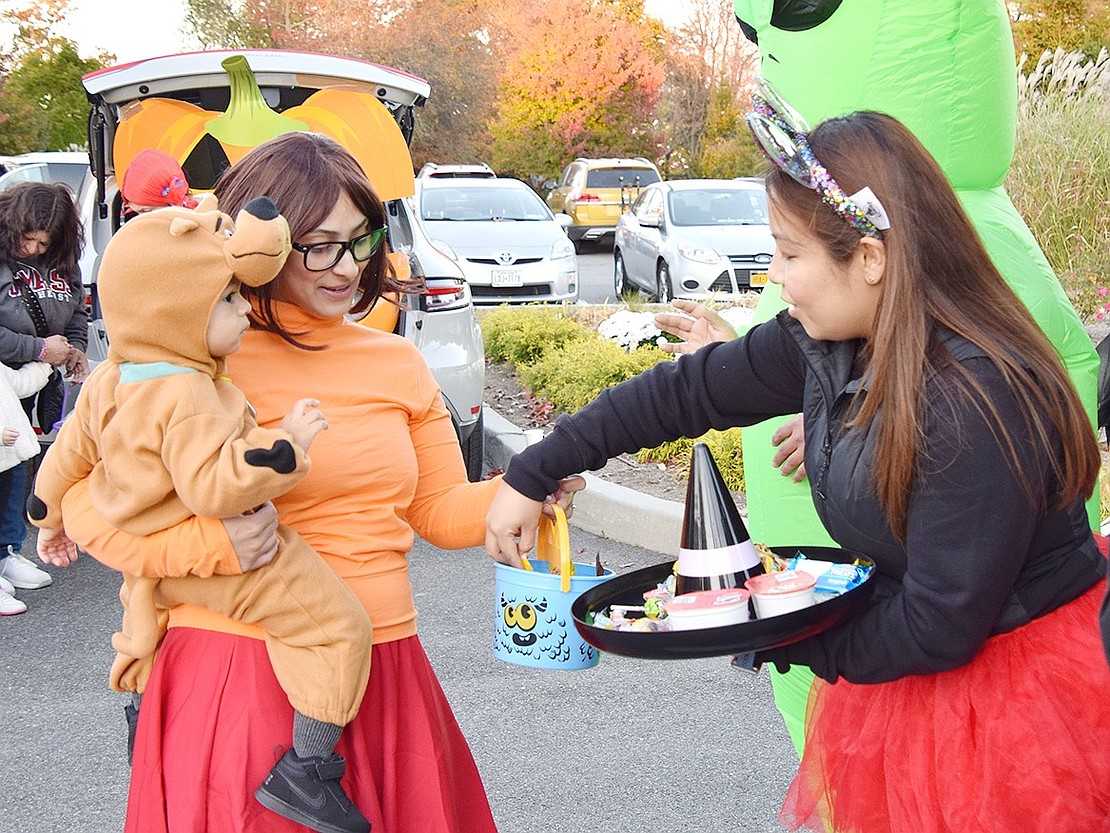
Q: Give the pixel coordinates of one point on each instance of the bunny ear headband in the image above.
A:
(780, 131)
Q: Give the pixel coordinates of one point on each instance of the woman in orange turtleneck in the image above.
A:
(388, 468)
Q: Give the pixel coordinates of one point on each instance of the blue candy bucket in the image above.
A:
(533, 625)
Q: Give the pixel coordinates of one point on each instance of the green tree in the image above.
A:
(726, 148)
(42, 102)
(23, 125)
(52, 82)
(1074, 25)
(224, 24)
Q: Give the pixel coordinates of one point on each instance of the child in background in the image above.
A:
(154, 180)
(162, 435)
(17, 444)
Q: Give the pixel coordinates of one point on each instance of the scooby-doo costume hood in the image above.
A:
(156, 267)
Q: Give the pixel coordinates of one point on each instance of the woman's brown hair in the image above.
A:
(305, 174)
(938, 275)
(40, 206)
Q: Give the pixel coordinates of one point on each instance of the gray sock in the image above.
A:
(314, 738)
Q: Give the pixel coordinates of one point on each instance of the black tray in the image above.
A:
(754, 635)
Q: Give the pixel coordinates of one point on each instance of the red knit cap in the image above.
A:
(154, 178)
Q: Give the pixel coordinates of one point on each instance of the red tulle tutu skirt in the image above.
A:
(1017, 741)
(214, 721)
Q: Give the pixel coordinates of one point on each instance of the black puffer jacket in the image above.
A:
(979, 558)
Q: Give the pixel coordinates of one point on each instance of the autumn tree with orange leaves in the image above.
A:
(583, 81)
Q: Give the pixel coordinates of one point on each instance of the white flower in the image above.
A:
(630, 329)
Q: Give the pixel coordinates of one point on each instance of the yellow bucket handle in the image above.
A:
(553, 546)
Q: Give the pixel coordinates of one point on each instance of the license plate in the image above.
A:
(506, 277)
(757, 279)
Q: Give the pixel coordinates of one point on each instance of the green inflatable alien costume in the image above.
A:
(946, 69)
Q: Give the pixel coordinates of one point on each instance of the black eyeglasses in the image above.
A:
(319, 257)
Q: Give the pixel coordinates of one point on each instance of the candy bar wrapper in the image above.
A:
(833, 578)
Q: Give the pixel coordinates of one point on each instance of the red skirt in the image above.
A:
(214, 721)
(1017, 741)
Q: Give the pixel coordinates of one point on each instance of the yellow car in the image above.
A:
(595, 192)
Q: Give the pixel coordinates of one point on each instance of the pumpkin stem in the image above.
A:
(248, 121)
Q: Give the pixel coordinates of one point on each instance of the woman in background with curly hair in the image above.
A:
(43, 317)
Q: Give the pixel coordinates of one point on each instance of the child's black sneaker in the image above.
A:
(132, 715)
(307, 790)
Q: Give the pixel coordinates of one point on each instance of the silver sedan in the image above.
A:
(694, 238)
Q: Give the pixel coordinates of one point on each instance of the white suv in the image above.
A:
(441, 323)
(433, 171)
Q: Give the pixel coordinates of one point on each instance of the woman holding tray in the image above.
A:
(945, 442)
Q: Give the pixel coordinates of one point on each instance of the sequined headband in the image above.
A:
(781, 134)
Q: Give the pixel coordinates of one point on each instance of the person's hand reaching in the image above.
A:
(698, 327)
(511, 525)
(304, 421)
(8, 436)
(790, 443)
(564, 496)
(55, 548)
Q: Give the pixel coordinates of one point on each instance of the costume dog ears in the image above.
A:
(254, 247)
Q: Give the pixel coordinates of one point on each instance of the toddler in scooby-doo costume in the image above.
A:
(162, 434)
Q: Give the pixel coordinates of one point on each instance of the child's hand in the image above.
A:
(55, 548)
(8, 436)
(304, 422)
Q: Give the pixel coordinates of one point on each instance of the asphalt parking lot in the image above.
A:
(628, 745)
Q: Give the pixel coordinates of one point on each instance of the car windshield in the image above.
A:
(719, 207)
(470, 205)
(620, 177)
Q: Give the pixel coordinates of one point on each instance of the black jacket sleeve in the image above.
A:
(739, 382)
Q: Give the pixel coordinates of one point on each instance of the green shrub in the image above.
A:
(520, 335)
(558, 353)
(570, 377)
(724, 445)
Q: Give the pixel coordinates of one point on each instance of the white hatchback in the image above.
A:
(509, 245)
(694, 238)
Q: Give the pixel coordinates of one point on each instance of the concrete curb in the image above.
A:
(604, 509)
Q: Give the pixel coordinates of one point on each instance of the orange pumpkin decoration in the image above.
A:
(205, 141)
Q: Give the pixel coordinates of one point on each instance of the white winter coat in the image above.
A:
(16, 385)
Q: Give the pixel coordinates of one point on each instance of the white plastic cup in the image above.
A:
(708, 609)
(532, 435)
(781, 592)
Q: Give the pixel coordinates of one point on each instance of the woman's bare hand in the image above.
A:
(698, 327)
(790, 442)
(253, 536)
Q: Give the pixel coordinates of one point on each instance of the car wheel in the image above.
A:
(663, 293)
(473, 451)
(620, 277)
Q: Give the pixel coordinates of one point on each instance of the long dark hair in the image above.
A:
(938, 275)
(305, 174)
(40, 206)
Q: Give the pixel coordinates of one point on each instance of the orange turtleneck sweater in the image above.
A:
(388, 467)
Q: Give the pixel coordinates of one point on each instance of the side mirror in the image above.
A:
(549, 184)
(651, 221)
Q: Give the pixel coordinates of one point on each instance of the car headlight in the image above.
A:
(701, 255)
(563, 248)
(444, 249)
